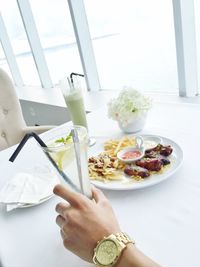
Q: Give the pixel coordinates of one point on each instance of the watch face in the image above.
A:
(106, 252)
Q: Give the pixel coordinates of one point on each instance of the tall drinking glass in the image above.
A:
(72, 93)
(61, 148)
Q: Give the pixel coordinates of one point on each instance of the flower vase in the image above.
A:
(134, 126)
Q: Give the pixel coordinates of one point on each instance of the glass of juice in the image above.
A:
(72, 93)
(60, 147)
(73, 96)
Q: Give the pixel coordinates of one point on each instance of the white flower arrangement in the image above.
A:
(129, 105)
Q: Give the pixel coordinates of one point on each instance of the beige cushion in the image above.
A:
(12, 124)
(11, 119)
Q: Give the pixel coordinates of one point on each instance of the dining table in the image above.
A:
(163, 219)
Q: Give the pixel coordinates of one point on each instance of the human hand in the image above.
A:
(83, 222)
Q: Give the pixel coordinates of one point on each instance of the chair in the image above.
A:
(12, 123)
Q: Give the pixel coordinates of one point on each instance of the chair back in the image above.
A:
(11, 118)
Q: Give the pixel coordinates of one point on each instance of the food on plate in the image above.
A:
(166, 150)
(113, 146)
(151, 141)
(164, 160)
(155, 158)
(106, 166)
(131, 154)
(160, 149)
(151, 164)
(136, 171)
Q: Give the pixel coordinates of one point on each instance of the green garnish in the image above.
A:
(64, 140)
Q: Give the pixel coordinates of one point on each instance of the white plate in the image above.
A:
(126, 183)
(9, 170)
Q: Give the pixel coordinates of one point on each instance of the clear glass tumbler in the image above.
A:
(61, 148)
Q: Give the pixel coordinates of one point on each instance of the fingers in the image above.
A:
(60, 221)
(71, 197)
(63, 235)
(98, 195)
(61, 208)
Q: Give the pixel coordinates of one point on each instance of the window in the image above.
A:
(3, 62)
(134, 43)
(19, 42)
(54, 25)
(56, 36)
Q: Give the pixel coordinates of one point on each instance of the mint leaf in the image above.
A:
(61, 140)
(64, 140)
(68, 137)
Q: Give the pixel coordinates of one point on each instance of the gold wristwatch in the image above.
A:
(109, 249)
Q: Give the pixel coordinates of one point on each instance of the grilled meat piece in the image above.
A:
(155, 155)
(166, 151)
(136, 171)
(154, 149)
(164, 160)
(151, 154)
(159, 149)
(151, 164)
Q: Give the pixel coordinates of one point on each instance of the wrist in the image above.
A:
(127, 257)
(132, 257)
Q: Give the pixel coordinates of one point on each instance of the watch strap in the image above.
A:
(124, 238)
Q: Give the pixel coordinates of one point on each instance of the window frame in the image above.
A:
(34, 42)
(186, 49)
(8, 51)
(185, 36)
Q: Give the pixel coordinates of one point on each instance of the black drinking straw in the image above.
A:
(75, 74)
(42, 144)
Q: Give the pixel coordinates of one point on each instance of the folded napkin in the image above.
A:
(28, 188)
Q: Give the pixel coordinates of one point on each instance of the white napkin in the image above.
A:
(28, 188)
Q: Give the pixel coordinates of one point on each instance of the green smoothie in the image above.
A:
(75, 104)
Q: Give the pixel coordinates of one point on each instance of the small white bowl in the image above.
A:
(151, 141)
(127, 151)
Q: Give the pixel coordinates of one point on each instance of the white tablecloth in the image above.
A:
(163, 219)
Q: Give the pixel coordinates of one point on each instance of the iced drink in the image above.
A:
(75, 104)
(61, 149)
(74, 101)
